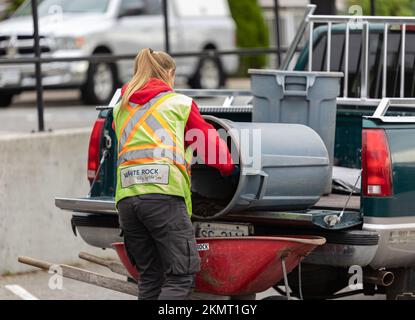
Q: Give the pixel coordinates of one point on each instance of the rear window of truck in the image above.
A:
(375, 61)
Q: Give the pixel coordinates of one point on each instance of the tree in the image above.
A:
(387, 7)
(251, 32)
(14, 4)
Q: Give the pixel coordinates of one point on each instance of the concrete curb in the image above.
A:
(34, 169)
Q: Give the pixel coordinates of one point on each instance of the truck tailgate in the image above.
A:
(97, 205)
(338, 202)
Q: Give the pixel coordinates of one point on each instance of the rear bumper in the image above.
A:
(97, 230)
(342, 249)
(396, 243)
(98, 226)
(95, 220)
(345, 249)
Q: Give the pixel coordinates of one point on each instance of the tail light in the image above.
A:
(94, 149)
(376, 164)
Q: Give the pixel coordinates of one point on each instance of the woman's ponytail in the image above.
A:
(148, 64)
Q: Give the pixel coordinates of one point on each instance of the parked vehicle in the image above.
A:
(373, 230)
(119, 27)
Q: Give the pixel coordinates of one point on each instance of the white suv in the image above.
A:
(78, 28)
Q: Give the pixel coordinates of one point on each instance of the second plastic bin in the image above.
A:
(301, 97)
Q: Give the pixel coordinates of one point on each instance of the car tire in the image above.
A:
(101, 84)
(6, 100)
(209, 75)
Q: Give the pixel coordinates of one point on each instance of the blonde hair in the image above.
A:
(149, 64)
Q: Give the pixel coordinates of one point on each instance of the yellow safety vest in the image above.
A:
(151, 148)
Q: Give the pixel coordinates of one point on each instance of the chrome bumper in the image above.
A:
(397, 241)
(22, 76)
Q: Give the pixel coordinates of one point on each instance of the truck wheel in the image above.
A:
(5, 99)
(209, 75)
(101, 84)
(403, 287)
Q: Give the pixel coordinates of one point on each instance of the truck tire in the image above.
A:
(101, 83)
(209, 74)
(5, 99)
(403, 287)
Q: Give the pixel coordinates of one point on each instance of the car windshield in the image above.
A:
(50, 7)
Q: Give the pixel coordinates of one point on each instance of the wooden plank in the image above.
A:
(114, 266)
(85, 276)
(99, 280)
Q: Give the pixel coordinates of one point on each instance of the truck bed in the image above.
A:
(338, 201)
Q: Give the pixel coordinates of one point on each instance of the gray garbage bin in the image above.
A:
(276, 174)
(301, 97)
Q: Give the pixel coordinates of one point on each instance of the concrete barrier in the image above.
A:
(34, 169)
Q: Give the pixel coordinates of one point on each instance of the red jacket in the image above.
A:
(195, 121)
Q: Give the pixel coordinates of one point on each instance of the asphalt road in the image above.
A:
(64, 110)
(36, 286)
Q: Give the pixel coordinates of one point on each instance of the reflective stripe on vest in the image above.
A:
(151, 139)
(138, 115)
(151, 122)
(155, 153)
(157, 131)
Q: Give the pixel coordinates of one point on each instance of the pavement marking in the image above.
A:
(20, 292)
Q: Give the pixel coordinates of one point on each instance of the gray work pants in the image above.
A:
(160, 241)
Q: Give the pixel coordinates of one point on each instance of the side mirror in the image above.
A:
(134, 10)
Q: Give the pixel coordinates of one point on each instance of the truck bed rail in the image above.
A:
(352, 23)
(386, 103)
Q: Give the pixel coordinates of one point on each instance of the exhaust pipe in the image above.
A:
(381, 278)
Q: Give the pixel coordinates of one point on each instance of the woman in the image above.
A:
(153, 176)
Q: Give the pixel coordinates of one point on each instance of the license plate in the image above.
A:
(9, 78)
(215, 229)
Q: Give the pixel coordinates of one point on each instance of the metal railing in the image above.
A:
(300, 33)
(386, 103)
(38, 59)
(353, 22)
(113, 58)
